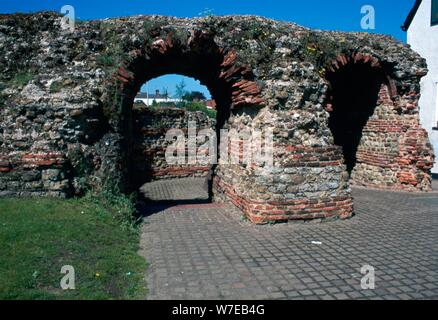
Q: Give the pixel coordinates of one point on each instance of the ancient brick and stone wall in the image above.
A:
(150, 143)
(394, 152)
(67, 121)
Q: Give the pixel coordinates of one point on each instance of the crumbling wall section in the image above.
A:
(67, 117)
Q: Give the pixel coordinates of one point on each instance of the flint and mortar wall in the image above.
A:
(67, 119)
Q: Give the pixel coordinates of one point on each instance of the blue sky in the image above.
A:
(169, 82)
(342, 15)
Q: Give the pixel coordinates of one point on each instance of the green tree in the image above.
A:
(181, 89)
(194, 96)
(165, 93)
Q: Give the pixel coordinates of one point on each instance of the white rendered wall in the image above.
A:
(424, 39)
(150, 101)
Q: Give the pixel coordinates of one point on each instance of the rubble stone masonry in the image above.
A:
(68, 122)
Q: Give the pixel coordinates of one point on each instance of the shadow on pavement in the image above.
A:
(158, 196)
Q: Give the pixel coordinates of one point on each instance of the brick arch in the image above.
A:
(373, 129)
(230, 83)
(199, 57)
(375, 64)
(354, 85)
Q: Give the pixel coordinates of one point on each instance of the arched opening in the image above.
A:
(354, 86)
(182, 104)
(189, 53)
(203, 61)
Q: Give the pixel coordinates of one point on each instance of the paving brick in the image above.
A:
(211, 253)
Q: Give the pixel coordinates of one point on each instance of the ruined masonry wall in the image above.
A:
(150, 128)
(67, 124)
(394, 152)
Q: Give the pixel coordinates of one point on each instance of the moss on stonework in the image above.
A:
(118, 44)
(2, 95)
(113, 106)
(2, 99)
(22, 78)
(150, 30)
(114, 52)
(251, 39)
(261, 34)
(107, 60)
(178, 35)
(321, 50)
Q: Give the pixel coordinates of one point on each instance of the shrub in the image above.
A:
(119, 205)
(198, 106)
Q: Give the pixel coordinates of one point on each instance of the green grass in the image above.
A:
(39, 236)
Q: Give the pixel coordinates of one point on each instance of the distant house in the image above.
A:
(422, 33)
(210, 104)
(149, 98)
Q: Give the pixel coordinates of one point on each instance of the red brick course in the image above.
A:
(263, 212)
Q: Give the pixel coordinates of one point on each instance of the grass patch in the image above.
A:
(39, 236)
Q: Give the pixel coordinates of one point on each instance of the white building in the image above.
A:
(149, 98)
(422, 30)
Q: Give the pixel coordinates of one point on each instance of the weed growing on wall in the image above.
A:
(22, 78)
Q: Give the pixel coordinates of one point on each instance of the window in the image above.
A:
(434, 20)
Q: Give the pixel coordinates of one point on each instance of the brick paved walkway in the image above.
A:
(180, 190)
(206, 251)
